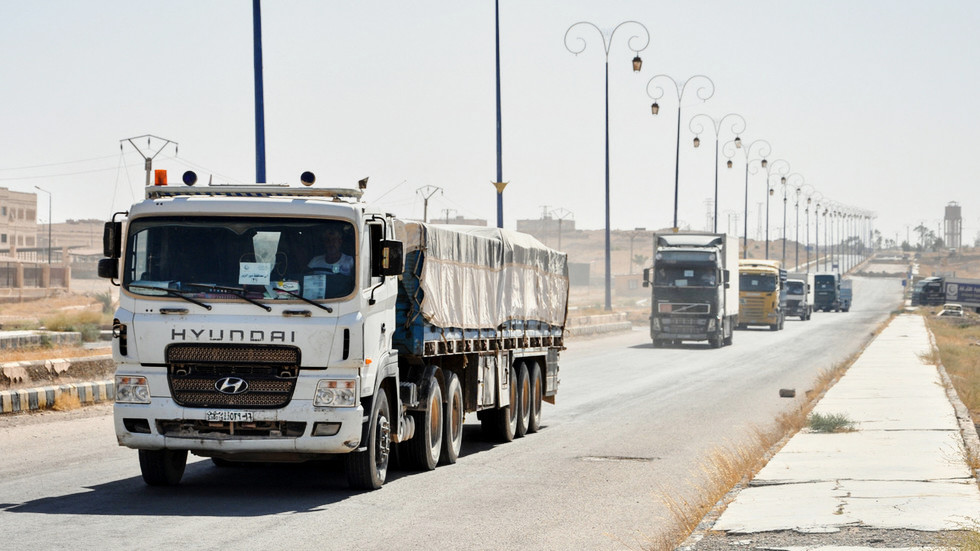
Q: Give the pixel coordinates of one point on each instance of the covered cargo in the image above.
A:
(470, 283)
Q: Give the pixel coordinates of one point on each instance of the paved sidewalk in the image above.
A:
(900, 474)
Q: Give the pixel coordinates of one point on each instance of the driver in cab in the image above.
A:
(333, 260)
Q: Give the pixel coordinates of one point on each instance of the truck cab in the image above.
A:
(799, 295)
(827, 295)
(761, 293)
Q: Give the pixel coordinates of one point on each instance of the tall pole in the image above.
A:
(561, 214)
(259, 94)
(781, 169)
(426, 192)
(499, 184)
(147, 157)
(737, 127)
(762, 149)
(637, 63)
(49, 220)
(704, 93)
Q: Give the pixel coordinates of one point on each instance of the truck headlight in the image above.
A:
(336, 393)
(712, 324)
(132, 390)
(656, 324)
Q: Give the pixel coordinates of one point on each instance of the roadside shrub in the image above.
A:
(90, 332)
(833, 422)
(105, 299)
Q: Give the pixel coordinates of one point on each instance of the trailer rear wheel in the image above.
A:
(501, 423)
(523, 400)
(367, 470)
(423, 449)
(452, 438)
(537, 392)
(162, 467)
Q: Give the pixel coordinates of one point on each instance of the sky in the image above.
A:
(871, 103)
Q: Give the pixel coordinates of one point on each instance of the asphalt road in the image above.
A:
(632, 429)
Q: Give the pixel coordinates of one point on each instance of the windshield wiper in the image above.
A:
(237, 291)
(170, 292)
(306, 300)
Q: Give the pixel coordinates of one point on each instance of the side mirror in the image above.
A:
(646, 277)
(111, 240)
(109, 268)
(392, 263)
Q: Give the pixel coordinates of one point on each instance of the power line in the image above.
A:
(59, 163)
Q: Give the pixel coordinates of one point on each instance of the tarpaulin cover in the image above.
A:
(480, 277)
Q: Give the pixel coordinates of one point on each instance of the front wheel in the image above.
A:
(162, 467)
(366, 470)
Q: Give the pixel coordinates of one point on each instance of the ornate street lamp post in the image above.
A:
(737, 126)
(637, 64)
(704, 91)
(781, 169)
(761, 149)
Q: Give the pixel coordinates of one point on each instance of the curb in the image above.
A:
(32, 399)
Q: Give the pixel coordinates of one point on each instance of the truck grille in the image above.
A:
(194, 371)
(752, 309)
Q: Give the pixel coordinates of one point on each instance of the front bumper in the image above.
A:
(164, 424)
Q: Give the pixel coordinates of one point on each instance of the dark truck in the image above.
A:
(935, 291)
(827, 292)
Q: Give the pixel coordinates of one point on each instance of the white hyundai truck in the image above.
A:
(279, 323)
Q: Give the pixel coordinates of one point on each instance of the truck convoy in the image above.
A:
(942, 290)
(277, 323)
(799, 295)
(760, 289)
(828, 292)
(694, 297)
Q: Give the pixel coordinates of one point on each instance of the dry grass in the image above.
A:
(968, 539)
(958, 343)
(66, 402)
(47, 353)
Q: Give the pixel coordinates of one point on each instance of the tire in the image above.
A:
(500, 424)
(424, 449)
(658, 343)
(452, 437)
(162, 467)
(368, 469)
(782, 322)
(523, 400)
(716, 342)
(774, 327)
(537, 398)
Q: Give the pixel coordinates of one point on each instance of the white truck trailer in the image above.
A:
(694, 296)
(244, 334)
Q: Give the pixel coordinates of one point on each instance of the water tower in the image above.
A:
(953, 226)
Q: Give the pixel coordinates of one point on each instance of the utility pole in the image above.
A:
(447, 211)
(426, 192)
(147, 158)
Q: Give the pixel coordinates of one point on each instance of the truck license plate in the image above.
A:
(233, 416)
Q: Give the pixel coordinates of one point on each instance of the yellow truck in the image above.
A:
(759, 295)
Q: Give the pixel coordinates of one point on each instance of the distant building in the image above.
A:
(18, 220)
(459, 221)
(545, 226)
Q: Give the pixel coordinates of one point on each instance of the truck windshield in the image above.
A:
(794, 288)
(258, 258)
(757, 283)
(824, 283)
(686, 276)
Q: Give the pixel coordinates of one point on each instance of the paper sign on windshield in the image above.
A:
(254, 273)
